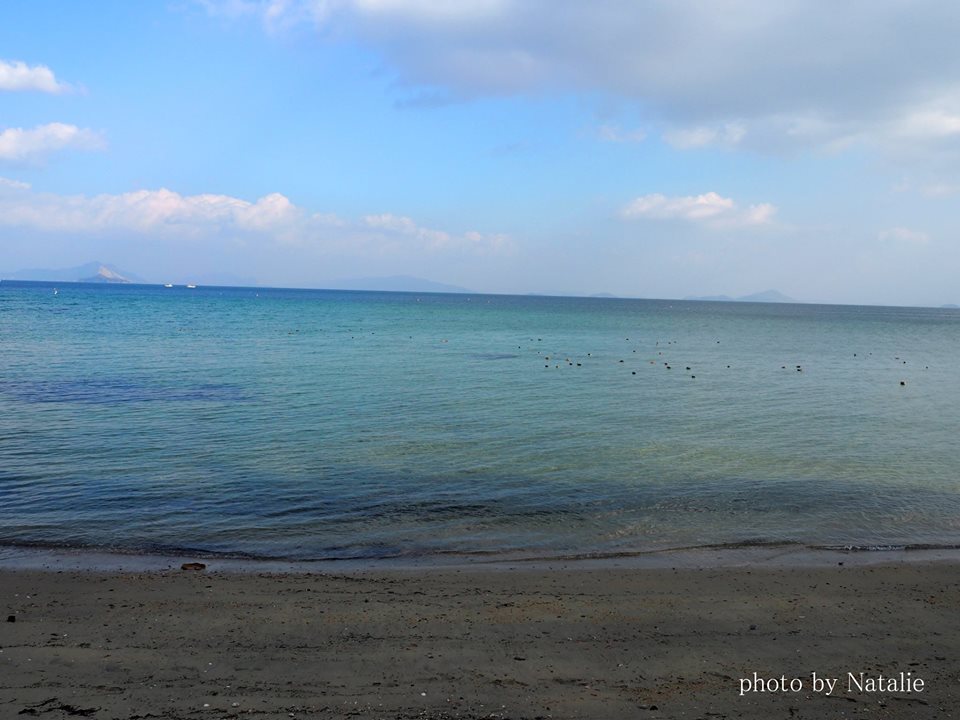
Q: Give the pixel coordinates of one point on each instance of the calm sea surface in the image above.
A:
(327, 424)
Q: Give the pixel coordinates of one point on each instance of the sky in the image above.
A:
(655, 148)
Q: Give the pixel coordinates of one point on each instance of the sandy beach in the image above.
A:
(579, 642)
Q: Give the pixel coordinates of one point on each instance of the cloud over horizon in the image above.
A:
(273, 218)
(20, 145)
(708, 209)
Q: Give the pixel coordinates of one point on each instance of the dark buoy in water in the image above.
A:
(633, 372)
(903, 382)
(688, 368)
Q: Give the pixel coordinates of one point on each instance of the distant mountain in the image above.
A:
(950, 306)
(603, 295)
(106, 275)
(91, 272)
(397, 283)
(767, 296)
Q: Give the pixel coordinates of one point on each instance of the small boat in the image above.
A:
(192, 287)
(167, 285)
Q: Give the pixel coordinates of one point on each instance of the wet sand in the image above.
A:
(472, 643)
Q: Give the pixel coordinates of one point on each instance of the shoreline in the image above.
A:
(477, 642)
(739, 555)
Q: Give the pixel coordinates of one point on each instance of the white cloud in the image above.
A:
(436, 239)
(931, 123)
(699, 207)
(761, 214)
(904, 235)
(18, 75)
(274, 218)
(709, 209)
(928, 189)
(688, 138)
(614, 133)
(739, 73)
(17, 144)
(15, 184)
(940, 189)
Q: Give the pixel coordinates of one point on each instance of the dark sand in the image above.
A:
(582, 643)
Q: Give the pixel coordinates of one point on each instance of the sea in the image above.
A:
(337, 425)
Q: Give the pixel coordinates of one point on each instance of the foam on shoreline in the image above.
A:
(733, 555)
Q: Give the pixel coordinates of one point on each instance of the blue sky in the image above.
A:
(655, 149)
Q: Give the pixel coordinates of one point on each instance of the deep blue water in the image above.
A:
(323, 424)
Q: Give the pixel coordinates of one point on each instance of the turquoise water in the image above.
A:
(327, 424)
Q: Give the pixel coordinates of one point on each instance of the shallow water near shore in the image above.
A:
(315, 425)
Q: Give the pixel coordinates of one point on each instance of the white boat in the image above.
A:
(192, 287)
(167, 285)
